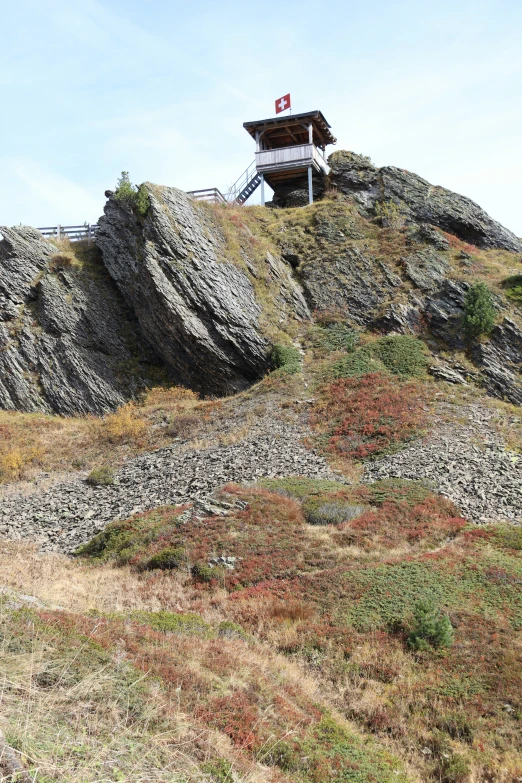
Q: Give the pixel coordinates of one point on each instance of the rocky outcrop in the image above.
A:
(418, 201)
(68, 343)
(194, 305)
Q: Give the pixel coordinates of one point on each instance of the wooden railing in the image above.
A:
(208, 194)
(74, 233)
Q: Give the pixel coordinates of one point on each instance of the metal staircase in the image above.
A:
(237, 193)
(244, 186)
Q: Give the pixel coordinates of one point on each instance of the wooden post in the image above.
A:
(58, 227)
(310, 133)
(262, 189)
(310, 186)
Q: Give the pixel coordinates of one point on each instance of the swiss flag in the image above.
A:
(283, 103)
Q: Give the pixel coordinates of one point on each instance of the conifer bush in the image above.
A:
(135, 197)
(479, 312)
(431, 628)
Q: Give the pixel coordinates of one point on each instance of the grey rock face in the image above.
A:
(426, 269)
(67, 341)
(198, 309)
(353, 283)
(419, 201)
(501, 361)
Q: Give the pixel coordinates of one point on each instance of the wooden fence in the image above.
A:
(208, 194)
(74, 233)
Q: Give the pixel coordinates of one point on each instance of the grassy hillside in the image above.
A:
(299, 629)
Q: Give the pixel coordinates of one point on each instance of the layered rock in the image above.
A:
(68, 343)
(418, 200)
(193, 304)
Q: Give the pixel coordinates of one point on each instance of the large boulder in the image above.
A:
(418, 201)
(195, 306)
(68, 343)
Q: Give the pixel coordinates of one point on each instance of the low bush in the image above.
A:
(122, 426)
(170, 622)
(368, 416)
(361, 362)
(513, 287)
(166, 559)
(14, 461)
(102, 476)
(394, 490)
(205, 573)
(431, 628)
(299, 487)
(479, 311)
(402, 355)
(286, 358)
(333, 513)
(335, 337)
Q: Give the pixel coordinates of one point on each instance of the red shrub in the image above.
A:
(432, 521)
(367, 416)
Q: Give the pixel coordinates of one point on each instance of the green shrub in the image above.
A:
(394, 490)
(299, 487)
(166, 559)
(402, 355)
(220, 770)
(135, 197)
(332, 513)
(336, 337)
(286, 358)
(453, 768)
(431, 628)
(361, 362)
(229, 630)
(202, 572)
(509, 537)
(479, 312)
(101, 477)
(513, 287)
(170, 622)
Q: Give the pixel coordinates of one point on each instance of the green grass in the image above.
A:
(286, 359)
(513, 287)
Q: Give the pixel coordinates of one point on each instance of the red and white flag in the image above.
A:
(283, 103)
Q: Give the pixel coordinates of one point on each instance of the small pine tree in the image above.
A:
(142, 201)
(479, 312)
(431, 628)
(124, 189)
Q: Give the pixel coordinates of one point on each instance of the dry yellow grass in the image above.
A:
(35, 441)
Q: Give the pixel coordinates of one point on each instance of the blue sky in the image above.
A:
(161, 88)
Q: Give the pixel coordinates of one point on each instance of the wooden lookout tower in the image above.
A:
(290, 147)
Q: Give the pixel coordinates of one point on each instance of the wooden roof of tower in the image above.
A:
(292, 129)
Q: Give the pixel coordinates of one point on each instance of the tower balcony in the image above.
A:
(294, 159)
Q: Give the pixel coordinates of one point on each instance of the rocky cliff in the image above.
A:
(417, 200)
(200, 293)
(197, 307)
(68, 342)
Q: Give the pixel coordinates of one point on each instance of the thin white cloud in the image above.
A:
(48, 196)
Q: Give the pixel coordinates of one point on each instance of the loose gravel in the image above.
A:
(467, 463)
(67, 514)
